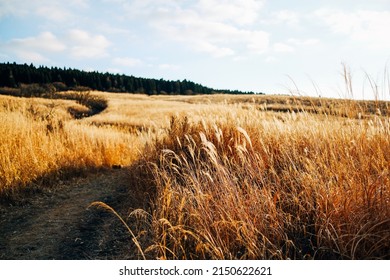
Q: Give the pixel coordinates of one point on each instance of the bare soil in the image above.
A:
(57, 222)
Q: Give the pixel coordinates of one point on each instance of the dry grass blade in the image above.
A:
(103, 205)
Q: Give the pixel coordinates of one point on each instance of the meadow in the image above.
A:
(229, 177)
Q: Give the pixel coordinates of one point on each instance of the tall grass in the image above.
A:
(39, 140)
(252, 188)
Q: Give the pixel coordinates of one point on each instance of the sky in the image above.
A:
(272, 46)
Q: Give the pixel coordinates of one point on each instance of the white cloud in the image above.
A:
(127, 61)
(257, 41)
(53, 10)
(241, 12)
(216, 38)
(369, 27)
(13, 7)
(218, 28)
(77, 44)
(303, 42)
(84, 4)
(35, 49)
(292, 44)
(288, 17)
(85, 45)
(283, 48)
(214, 50)
(45, 41)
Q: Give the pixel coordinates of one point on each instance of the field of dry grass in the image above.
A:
(234, 177)
(40, 141)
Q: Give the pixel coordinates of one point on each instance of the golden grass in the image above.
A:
(234, 177)
(40, 140)
(253, 188)
(106, 207)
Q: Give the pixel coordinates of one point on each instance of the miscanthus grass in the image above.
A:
(257, 186)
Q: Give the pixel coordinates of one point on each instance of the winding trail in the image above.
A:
(58, 224)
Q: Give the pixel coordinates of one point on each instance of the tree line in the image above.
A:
(14, 75)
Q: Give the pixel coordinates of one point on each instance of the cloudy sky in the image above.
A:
(271, 46)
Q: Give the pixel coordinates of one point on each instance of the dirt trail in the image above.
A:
(57, 223)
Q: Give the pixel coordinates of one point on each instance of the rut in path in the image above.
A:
(57, 223)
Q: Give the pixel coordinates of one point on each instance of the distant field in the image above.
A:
(233, 177)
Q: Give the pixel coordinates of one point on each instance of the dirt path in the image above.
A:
(57, 223)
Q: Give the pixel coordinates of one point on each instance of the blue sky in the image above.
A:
(250, 45)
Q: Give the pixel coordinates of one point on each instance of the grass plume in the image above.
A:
(270, 189)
